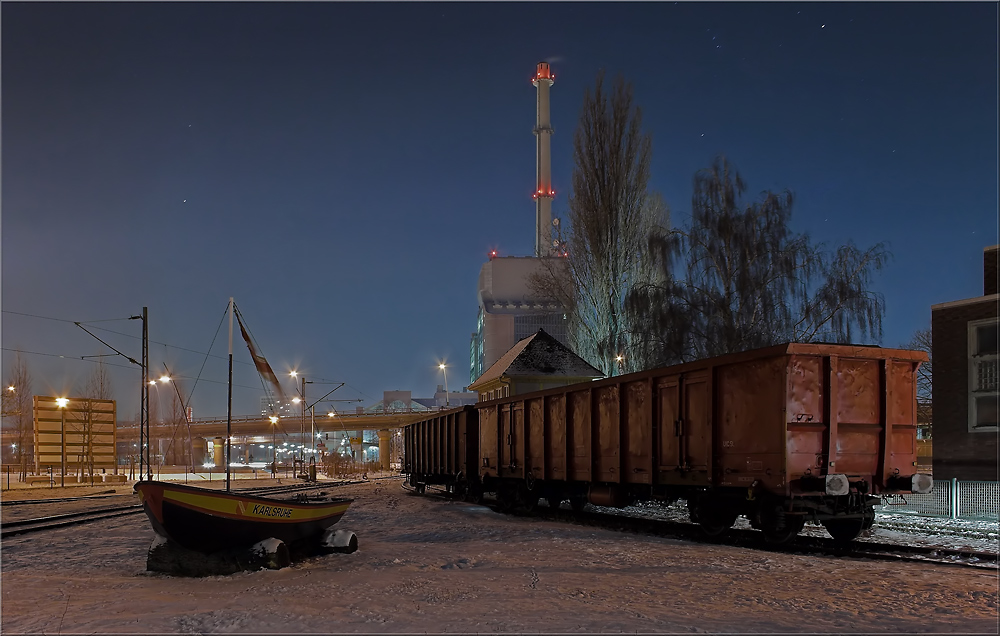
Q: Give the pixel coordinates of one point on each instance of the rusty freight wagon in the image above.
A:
(782, 435)
(443, 450)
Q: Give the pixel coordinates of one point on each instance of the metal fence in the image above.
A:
(973, 500)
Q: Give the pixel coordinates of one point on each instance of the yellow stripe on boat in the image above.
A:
(271, 511)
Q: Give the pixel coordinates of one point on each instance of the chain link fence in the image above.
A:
(971, 500)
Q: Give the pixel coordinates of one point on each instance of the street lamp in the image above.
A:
(274, 445)
(301, 399)
(62, 403)
(619, 360)
(444, 368)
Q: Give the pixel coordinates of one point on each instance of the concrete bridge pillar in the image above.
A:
(383, 448)
(220, 452)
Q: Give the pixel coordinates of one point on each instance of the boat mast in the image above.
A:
(229, 408)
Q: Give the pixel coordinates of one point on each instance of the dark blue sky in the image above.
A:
(343, 169)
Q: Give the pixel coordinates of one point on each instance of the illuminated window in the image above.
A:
(983, 386)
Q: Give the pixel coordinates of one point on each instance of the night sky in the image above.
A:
(342, 170)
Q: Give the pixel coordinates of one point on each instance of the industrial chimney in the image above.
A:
(543, 188)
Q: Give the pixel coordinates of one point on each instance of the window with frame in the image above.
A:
(984, 389)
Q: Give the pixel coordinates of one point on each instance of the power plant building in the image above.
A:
(508, 309)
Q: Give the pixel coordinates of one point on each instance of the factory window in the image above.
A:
(983, 386)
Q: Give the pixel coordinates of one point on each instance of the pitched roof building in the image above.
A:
(534, 363)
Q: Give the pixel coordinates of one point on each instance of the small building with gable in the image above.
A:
(535, 363)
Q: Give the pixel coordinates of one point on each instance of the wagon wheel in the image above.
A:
(716, 523)
(525, 498)
(506, 499)
(844, 530)
(779, 527)
(474, 493)
(460, 487)
(554, 501)
(714, 520)
(577, 503)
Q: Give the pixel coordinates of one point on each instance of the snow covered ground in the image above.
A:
(899, 528)
(427, 565)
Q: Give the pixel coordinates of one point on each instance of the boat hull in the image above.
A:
(209, 521)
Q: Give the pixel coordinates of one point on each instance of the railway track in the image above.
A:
(752, 539)
(26, 526)
(101, 495)
(38, 524)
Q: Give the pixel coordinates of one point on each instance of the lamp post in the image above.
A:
(444, 368)
(619, 359)
(61, 403)
(301, 400)
(274, 447)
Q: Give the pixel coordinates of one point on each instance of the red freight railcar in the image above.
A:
(782, 435)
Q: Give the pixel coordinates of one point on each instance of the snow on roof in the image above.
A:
(538, 354)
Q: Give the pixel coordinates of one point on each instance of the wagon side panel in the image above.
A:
(578, 426)
(637, 430)
(607, 434)
(488, 435)
(555, 437)
(535, 423)
(750, 414)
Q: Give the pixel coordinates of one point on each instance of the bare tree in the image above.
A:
(738, 278)
(921, 341)
(19, 407)
(611, 216)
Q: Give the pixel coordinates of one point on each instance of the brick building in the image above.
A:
(964, 350)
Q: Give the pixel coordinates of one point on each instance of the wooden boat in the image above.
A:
(208, 520)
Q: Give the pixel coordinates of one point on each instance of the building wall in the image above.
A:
(509, 311)
(958, 452)
(991, 255)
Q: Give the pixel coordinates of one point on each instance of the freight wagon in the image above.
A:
(781, 435)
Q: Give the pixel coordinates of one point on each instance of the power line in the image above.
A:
(110, 364)
(134, 337)
(21, 313)
(119, 333)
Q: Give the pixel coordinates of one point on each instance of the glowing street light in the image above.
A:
(164, 378)
(62, 403)
(444, 369)
(274, 443)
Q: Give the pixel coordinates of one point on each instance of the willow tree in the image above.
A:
(737, 278)
(612, 214)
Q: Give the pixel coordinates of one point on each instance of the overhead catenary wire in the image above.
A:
(120, 333)
(205, 361)
(196, 379)
(110, 364)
